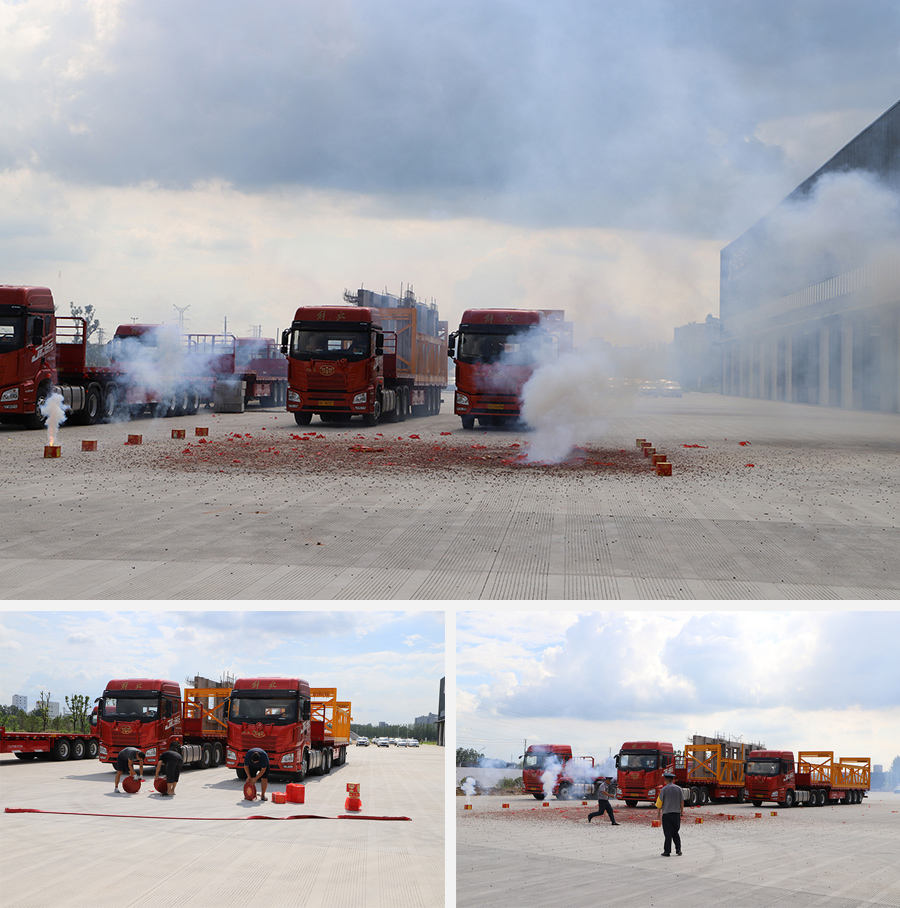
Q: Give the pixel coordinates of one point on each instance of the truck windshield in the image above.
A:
(247, 707)
(763, 768)
(12, 331)
(638, 761)
(120, 708)
(539, 761)
(327, 343)
(517, 348)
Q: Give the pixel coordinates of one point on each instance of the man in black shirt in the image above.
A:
(128, 756)
(256, 762)
(170, 762)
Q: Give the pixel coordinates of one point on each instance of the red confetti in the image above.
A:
(749, 464)
(743, 442)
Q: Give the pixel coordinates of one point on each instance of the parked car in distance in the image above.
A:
(412, 742)
(382, 742)
(669, 389)
(648, 389)
(362, 742)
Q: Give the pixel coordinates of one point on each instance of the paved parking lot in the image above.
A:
(200, 848)
(828, 857)
(767, 501)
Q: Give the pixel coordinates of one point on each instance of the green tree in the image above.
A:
(78, 706)
(42, 710)
(467, 756)
(89, 315)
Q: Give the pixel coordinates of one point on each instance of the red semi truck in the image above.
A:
(815, 780)
(382, 358)
(303, 729)
(60, 745)
(148, 713)
(552, 768)
(495, 352)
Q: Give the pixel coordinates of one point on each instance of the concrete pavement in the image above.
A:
(846, 856)
(131, 861)
(767, 501)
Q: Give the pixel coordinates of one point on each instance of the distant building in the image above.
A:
(20, 702)
(430, 719)
(810, 303)
(53, 711)
(697, 355)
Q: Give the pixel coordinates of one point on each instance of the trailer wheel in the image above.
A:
(217, 754)
(205, 756)
(78, 749)
(62, 749)
(93, 749)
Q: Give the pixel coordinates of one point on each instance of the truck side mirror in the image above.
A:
(284, 341)
(617, 761)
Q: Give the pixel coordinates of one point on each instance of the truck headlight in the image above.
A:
(774, 795)
(361, 398)
(461, 400)
(287, 758)
(150, 754)
(10, 394)
(651, 792)
(230, 754)
(294, 396)
(102, 750)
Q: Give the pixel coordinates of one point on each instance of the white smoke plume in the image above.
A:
(549, 776)
(468, 786)
(54, 412)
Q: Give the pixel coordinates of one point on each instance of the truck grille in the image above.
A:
(267, 742)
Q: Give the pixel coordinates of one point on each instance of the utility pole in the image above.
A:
(181, 310)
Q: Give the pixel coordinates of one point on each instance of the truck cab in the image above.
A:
(551, 769)
(27, 353)
(336, 364)
(769, 775)
(640, 766)
(495, 352)
(138, 712)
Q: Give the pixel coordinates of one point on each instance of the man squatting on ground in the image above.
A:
(603, 805)
(128, 756)
(257, 763)
(671, 806)
(170, 762)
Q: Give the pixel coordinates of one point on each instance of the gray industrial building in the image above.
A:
(810, 295)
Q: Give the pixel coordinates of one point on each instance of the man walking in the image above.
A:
(671, 807)
(256, 763)
(170, 762)
(125, 761)
(603, 805)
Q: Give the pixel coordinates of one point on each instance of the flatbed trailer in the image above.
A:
(60, 745)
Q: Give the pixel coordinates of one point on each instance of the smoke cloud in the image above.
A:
(54, 412)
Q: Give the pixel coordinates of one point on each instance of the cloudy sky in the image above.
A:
(802, 680)
(244, 158)
(388, 664)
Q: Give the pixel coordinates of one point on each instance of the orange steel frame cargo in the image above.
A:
(847, 772)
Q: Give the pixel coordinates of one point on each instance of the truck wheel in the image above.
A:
(217, 754)
(78, 749)
(538, 797)
(402, 404)
(326, 764)
(93, 407)
(694, 798)
(630, 803)
(302, 773)
(437, 402)
(205, 756)
(757, 803)
(37, 420)
(110, 402)
(240, 773)
(371, 419)
(468, 422)
(704, 796)
(302, 419)
(564, 792)
(193, 402)
(62, 749)
(93, 749)
(789, 799)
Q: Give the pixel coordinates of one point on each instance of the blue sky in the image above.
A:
(388, 664)
(244, 158)
(804, 680)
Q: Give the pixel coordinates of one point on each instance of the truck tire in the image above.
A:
(695, 796)
(240, 773)
(111, 402)
(402, 404)
(302, 773)
(371, 419)
(757, 803)
(326, 763)
(564, 792)
(93, 749)
(78, 749)
(630, 803)
(37, 420)
(218, 754)
(468, 422)
(205, 756)
(302, 419)
(704, 796)
(93, 407)
(537, 797)
(193, 402)
(62, 749)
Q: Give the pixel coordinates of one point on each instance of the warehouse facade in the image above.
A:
(810, 295)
